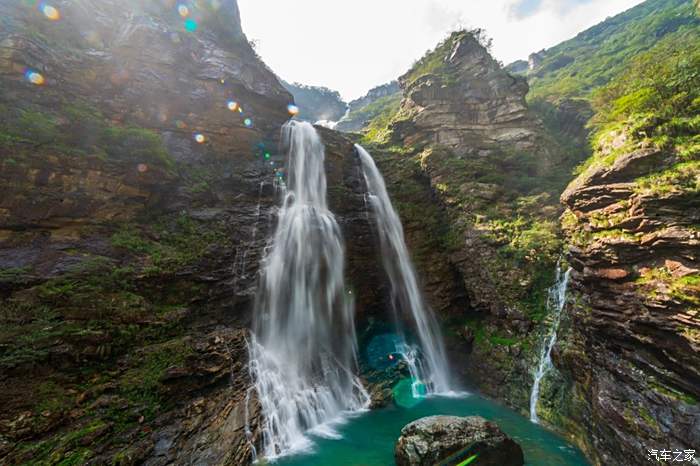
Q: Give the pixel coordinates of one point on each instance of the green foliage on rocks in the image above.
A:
(653, 103)
(173, 244)
(100, 302)
(378, 114)
(662, 281)
(78, 129)
(434, 62)
(141, 384)
(679, 178)
(657, 96)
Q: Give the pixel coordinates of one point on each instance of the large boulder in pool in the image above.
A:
(451, 440)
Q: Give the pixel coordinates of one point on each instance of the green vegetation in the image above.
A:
(180, 242)
(600, 54)
(13, 275)
(634, 69)
(680, 178)
(104, 303)
(672, 393)
(660, 280)
(657, 96)
(78, 129)
(434, 62)
(486, 336)
(98, 312)
(141, 384)
(379, 114)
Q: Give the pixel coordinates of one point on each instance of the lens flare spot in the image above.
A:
(293, 109)
(248, 122)
(200, 138)
(233, 106)
(183, 11)
(34, 77)
(142, 168)
(190, 25)
(403, 394)
(50, 12)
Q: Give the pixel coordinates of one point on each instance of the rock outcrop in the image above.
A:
(632, 352)
(451, 440)
(461, 98)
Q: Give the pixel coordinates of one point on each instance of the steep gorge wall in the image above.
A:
(129, 247)
(631, 354)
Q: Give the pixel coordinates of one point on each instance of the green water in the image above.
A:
(368, 439)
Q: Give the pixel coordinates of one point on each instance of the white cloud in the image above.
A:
(353, 45)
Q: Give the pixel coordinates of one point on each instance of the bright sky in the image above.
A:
(354, 45)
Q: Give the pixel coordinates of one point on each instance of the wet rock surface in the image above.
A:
(451, 440)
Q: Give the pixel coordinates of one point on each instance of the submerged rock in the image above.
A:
(451, 440)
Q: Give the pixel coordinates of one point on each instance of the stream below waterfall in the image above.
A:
(368, 438)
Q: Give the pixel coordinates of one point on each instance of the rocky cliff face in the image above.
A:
(467, 142)
(459, 97)
(631, 354)
(139, 169)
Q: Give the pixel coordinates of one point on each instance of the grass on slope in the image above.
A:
(655, 100)
(596, 56)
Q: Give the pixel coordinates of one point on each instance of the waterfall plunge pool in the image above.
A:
(368, 438)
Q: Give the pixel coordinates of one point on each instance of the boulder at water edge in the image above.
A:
(451, 440)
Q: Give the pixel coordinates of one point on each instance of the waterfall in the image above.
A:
(429, 360)
(555, 304)
(303, 348)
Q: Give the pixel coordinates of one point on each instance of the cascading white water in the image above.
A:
(555, 303)
(431, 366)
(303, 351)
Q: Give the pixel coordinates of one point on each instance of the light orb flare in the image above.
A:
(50, 12)
(293, 110)
(34, 77)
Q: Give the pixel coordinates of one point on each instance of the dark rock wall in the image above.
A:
(129, 250)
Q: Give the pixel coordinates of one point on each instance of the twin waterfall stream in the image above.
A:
(303, 351)
(429, 372)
